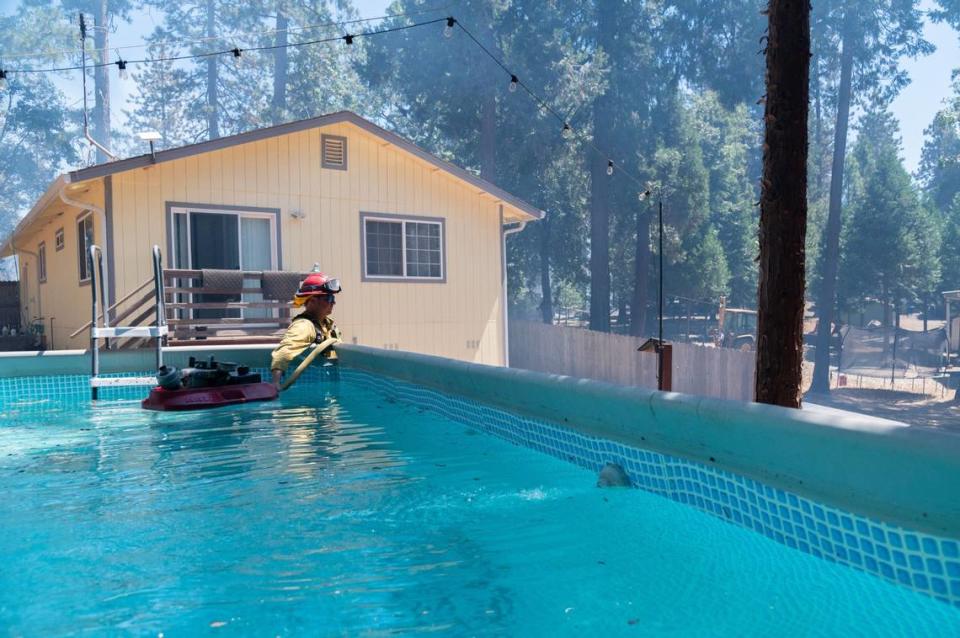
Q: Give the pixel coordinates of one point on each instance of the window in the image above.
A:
(58, 240)
(42, 262)
(222, 239)
(334, 151)
(84, 241)
(397, 248)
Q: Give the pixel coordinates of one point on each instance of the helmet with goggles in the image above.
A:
(316, 284)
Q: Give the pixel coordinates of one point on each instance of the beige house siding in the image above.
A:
(461, 318)
(62, 297)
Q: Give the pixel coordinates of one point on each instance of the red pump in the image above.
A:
(205, 385)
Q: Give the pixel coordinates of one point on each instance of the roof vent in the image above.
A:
(334, 149)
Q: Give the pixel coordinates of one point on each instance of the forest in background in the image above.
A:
(670, 90)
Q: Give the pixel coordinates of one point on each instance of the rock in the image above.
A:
(612, 475)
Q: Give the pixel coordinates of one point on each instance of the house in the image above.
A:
(417, 243)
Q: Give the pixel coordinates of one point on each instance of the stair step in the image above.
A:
(119, 382)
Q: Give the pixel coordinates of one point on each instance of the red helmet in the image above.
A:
(316, 283)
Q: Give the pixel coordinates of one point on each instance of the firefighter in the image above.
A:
(317, 295)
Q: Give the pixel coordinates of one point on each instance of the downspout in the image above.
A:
(102, 216)
(504, 231)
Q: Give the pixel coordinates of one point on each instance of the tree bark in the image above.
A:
(600, 186)
(783, 205)
(488, 138)
(826, 300)
(213, 108)
(546, 306)
(278, 104)
(638, 307)
(101, 81)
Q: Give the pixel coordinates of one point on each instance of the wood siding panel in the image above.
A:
(286, 173)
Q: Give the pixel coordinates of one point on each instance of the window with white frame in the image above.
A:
(403, 248)
(84, 241)
(58, 240)
(42, 262)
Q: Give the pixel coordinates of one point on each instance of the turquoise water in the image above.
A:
(336, 512)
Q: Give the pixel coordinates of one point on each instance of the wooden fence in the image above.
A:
(713, 372)
(10, 304)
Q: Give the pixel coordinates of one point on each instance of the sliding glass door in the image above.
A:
(224, 240)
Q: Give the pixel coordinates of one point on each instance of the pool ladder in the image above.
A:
(103, 330)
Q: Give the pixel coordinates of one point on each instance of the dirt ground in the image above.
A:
(918, 402)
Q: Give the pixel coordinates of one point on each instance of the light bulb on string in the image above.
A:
(348, 39)
(567, 132)
(122, 68)
(237, 53)
(514, 81)
(609, 167)
(3, 77)
(448, 30)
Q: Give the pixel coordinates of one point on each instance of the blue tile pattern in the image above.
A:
(925, 563)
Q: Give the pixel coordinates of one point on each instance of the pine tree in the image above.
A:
(38, 129)
(872, 40)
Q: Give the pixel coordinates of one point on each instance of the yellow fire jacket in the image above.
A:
(299, 336)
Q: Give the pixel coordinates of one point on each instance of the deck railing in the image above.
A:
(202, 314)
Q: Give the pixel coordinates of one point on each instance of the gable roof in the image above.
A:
(110, 168)
(180, 152)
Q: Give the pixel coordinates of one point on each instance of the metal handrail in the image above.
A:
(115, 305)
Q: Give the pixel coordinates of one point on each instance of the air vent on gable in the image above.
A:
(334, 148)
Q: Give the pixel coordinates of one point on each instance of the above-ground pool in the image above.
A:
(346, 508)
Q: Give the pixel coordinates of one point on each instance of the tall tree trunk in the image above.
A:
(546, 306)
(783, 205)
(101, 80)
(818, 126)
(488, 137)
(600, 185)
(826, 300)
(641, 266)
(278, 105)
(213, 107)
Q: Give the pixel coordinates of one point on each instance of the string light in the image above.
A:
(451, 22)
(236, 51)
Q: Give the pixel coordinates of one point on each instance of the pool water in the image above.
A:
(335, 511)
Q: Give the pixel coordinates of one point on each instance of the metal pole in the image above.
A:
(660, 302)
(159, 300)
(94, 352)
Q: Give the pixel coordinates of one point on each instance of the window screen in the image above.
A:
(42, 261)
(84, 241)
(423, 249)
(384, 248)
(403, 248)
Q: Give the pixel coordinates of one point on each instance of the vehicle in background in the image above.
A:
(736, 328)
